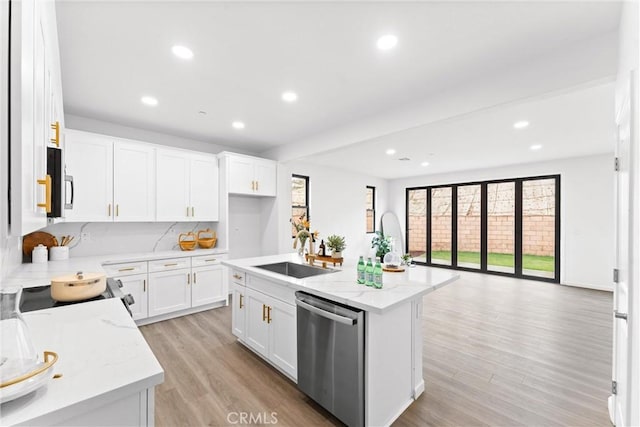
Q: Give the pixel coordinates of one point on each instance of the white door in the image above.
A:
(208, 286)
(172, 186)
(238, 311)
(89, 159)
(265, 177)
(283, 336)
(256, 327)
(133, 181)
(169, 291)
(204, 188)
(619, 404)
(136, 285)
(241, 175)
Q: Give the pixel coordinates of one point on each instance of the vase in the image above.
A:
(17, 353)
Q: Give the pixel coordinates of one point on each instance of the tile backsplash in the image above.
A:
(125, 237)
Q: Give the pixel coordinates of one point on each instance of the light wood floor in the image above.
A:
(497, 351)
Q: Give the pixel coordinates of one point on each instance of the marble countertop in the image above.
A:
(30, 275)
(102, 357)
(341, 286)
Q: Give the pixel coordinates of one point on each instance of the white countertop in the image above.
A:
(29, 275)
(342, 286)
(102, 357)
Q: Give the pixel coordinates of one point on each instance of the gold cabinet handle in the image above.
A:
(213, 259)
(47, 189)
(268, 314)
(257, 182)
(188, 279)
(144, 285)
(195, 278)
(171, 264)
(117, 210)
(109, 210)
(241, 302)
(56, 139)
(193, 211)
(237, 276)
(127, 269)
(187, 210)
(264, 312)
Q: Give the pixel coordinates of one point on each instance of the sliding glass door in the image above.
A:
(507, 227)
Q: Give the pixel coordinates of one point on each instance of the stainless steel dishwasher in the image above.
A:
(331, 356)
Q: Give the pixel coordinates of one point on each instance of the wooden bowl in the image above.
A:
(207, 242)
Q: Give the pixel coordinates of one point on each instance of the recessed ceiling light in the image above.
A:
(182, 52)
(387, 42)
(520, 124)
(289, 96)
(404, 159)
(424, 164)
(202, 113)
(390, 151)
(237, 125)
(149, 100)
(535, 147)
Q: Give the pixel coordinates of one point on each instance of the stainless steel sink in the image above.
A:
(299, 271)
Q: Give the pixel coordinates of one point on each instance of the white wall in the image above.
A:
(245, 226)
(336, 203)
(586, 209)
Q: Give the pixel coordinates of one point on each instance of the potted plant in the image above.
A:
(336, 244)
(382, 244)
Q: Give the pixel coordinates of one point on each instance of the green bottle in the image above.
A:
(377, 275)
(368, 273)
(361, 268)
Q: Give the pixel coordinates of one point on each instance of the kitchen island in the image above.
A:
(107, 370)
(264, 320)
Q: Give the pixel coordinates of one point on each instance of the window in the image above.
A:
(299, 200)
(371, 209)
(507, 227)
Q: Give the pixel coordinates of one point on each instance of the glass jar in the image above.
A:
(17, 354)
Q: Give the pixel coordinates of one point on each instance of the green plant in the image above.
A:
(381, 243)
(336, 243)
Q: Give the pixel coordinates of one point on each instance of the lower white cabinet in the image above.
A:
(208, 285)
(136, 285)
(267, 325)
(169, 291)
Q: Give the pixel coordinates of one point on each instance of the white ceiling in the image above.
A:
(246, 54)
(579, 122)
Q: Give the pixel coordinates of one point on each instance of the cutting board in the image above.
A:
(36, 238)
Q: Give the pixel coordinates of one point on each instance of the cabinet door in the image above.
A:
(283, 336)
(133, 181)
(241, 175)
(257, 328)
(136, 285)
(172, 181)
(208, 286)
(265, 177)
(238, 311)
(204, 188)
(169, 291)
(89, 159)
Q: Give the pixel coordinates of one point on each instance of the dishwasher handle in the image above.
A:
(324, 313)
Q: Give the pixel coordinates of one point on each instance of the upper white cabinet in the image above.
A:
(250, 175)
(35, 103)
(187, 186)
(113, 180)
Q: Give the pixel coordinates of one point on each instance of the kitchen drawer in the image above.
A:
(125, 269)
(169, 264)
(204, 260)
(237, 276)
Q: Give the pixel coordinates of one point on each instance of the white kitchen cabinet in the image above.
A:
(208, 285)
(133, 181)
(34, 69)
(238, 311)
(250, 175)
(187, 186)
(136, 285)
(267, 325)
(89, 159)
(257, 328)
(169, 291)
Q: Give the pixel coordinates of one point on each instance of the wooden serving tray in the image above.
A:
(393, 270)
(326, 259)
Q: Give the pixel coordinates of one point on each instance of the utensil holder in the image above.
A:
(58, 253)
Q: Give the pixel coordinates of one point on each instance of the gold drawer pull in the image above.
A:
(209, 260)
(264, 312)
(237, 276)
(241, 304)
(268, 314)
(171, 264)
(127, 269)
(47, 189)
